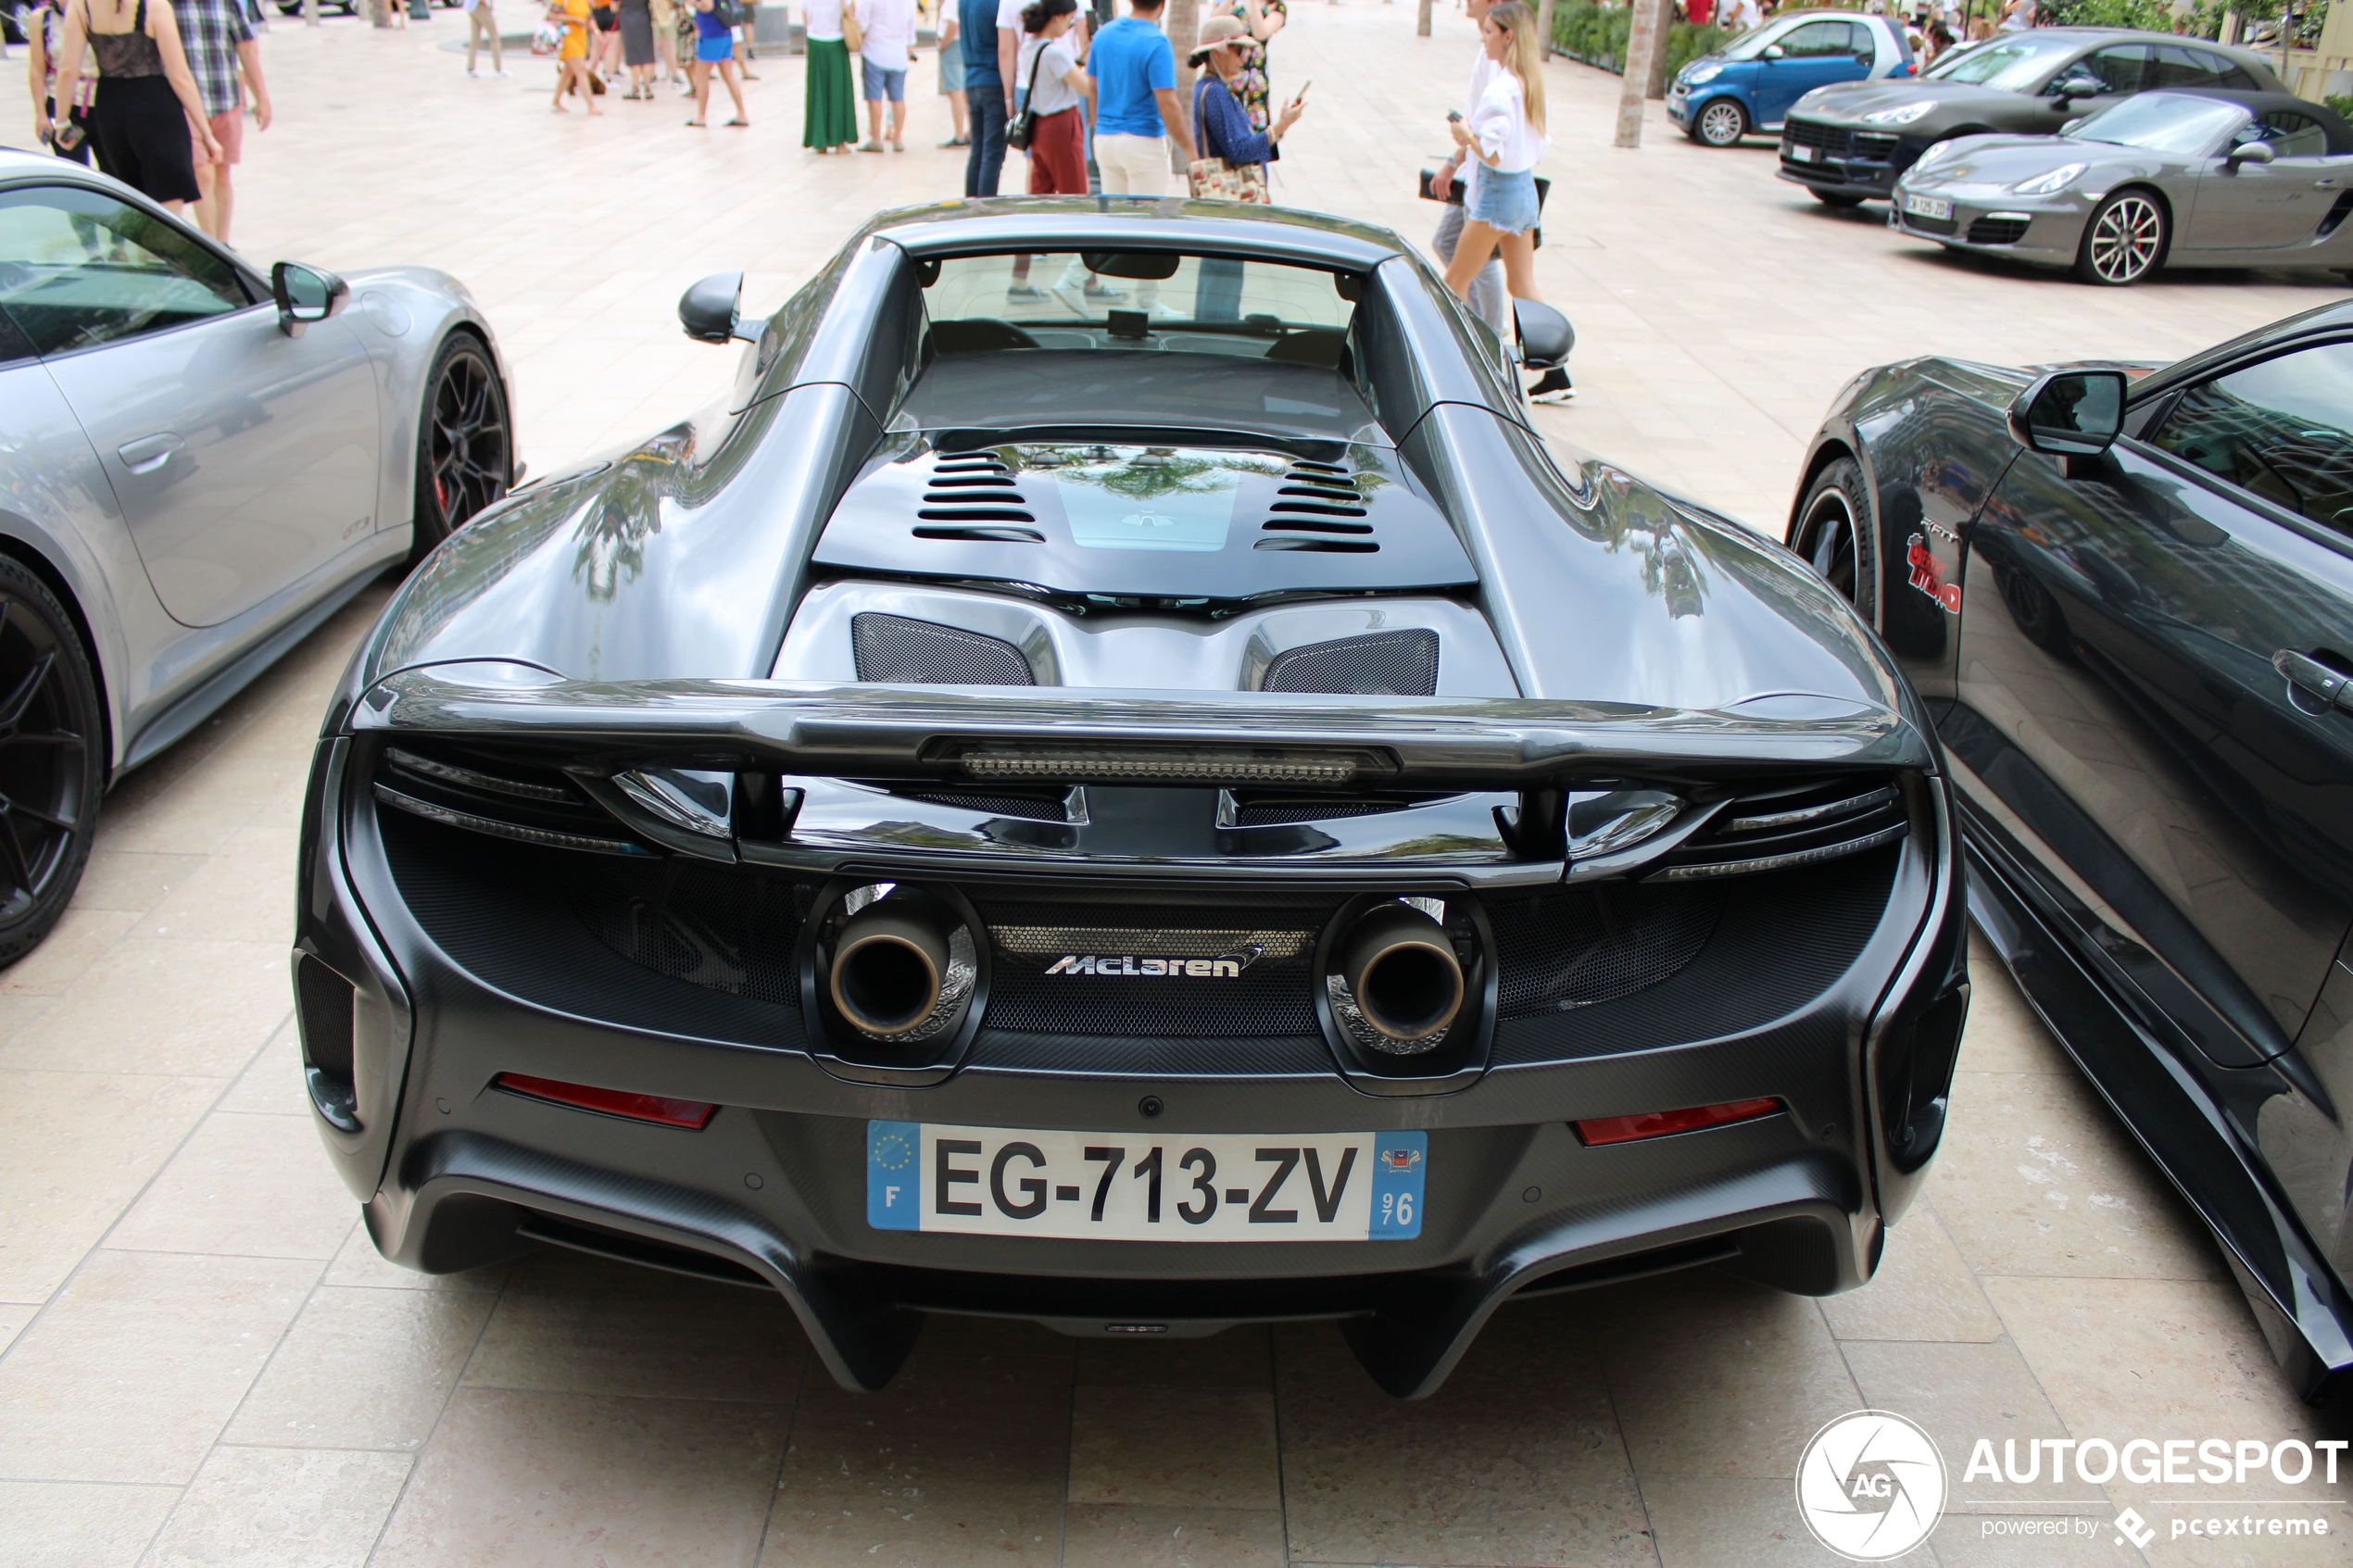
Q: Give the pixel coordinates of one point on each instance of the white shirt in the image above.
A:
(1483, 71)
(1052, 94)
(1499, 124)
(823, 20)
(887, 33)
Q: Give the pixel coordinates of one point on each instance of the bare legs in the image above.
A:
(1478, 244)
(699, 72)
(577, 78)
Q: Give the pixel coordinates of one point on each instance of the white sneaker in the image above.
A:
(500, 74)
(476, 76)
(1070, 295)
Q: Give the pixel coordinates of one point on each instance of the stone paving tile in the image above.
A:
(359, 1264)
(253, 1186)
(363, 1369)
(79, 1524)
(1240, 1358)
(1098, 1536)
(175, 1004)
(1723, 1521)
(281, 1508)
(1175, 1448)
(1962, 1393)
(1923, 1291)
(271, 1082)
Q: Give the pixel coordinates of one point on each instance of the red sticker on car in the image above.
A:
(1929, 578)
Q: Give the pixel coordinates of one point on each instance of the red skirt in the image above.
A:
(1058, 155)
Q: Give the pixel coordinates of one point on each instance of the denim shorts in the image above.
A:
(1506, 202)
(881, 83)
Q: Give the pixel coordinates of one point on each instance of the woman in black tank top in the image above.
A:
(147, 118)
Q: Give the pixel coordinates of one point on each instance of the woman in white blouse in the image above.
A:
(1506, 132)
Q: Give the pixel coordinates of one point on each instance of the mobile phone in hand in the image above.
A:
(1300, 96)
(1454, 116)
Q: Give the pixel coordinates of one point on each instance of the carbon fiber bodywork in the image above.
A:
(600, 803)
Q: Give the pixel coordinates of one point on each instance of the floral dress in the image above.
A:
(1251, 86)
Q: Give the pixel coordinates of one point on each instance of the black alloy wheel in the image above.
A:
(1834, 533)
(50, 770)
(1721, 123)
(2124, 240)
(465, 454)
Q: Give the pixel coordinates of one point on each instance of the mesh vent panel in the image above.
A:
(1584, 945)
(1035, 807)
(1383, 664)
(892, 647)
(703, 925)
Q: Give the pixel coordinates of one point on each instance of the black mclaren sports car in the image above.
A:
(2126, 599)
(1113, 782)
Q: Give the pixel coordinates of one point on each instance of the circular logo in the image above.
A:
(1870, 1486)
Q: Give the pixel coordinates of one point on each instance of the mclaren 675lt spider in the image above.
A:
(1114, 780)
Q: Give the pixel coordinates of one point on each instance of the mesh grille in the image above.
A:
(1270, 996)
(1382, 664)
(1584, 945)
(718, 929)
(1035, 807)
(892, 647)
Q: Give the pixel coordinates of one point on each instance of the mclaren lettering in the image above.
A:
(1129, 965)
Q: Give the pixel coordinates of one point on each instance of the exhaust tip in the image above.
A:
(899, 975)
(1400, 979)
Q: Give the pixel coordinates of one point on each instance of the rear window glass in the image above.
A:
(1206, 304)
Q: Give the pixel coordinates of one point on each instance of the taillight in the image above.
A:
(1659, 1124)
(669, 1113)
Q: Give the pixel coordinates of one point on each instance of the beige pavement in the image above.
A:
(202, 1361)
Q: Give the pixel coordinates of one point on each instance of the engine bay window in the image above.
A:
(1165, 301)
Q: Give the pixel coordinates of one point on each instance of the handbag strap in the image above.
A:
(1034, 61)
(1201, 89)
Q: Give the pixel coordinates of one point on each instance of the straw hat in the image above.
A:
(1216, 33)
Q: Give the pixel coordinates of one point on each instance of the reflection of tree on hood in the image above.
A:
(1141, 481)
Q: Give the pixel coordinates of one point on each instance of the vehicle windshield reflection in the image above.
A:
(2162, 124)
(2015, 65)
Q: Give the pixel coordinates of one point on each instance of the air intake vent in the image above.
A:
(975, 489)
(1786, 825)
(892, 647)
(1379, 664)
(505, 797)
(1318, 507)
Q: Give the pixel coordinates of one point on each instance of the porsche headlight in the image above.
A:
(1699, 75)
(1938, 153)
(1903, 115)
(2058, 180)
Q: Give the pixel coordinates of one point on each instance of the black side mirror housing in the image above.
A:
(711, 310)
(2072, 415)
(1545, 336)
(306, 294)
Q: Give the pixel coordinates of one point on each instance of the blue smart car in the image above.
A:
(1750, 83)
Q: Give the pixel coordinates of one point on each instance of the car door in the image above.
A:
(2120, 702)
(1813, 55)
(243, 458)
(2250, 207)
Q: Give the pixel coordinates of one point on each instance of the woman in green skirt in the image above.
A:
(831, 122)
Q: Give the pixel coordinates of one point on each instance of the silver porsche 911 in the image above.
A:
(2206, 177)
(198, 464)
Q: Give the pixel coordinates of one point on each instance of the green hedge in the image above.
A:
(1596, 34)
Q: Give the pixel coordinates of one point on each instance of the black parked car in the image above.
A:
(2127, 598)
(1847, 144)
(1140, 813)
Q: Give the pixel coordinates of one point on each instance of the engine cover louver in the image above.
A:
(1378, 664)
(1319, 507)
(974, 497)
(503, 797)
(1782, 826)
(894, 648)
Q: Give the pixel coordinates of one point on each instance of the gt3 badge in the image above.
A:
(1929, 578)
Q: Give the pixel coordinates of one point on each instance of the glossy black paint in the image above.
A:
(2160, 824)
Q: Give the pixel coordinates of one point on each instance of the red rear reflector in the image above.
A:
(1658, 1124)
(612, 1102)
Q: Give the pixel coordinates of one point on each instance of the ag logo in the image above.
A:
(1870, 1486)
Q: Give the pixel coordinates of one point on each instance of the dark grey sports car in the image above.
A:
(2127, 599)
(1848, 143)
(1138, 805)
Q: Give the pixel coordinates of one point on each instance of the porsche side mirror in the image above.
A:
(2072, 415)
(1770, 52)
(712, 311)
(306, 294)
(2072, 87)
(2249, 152)
(1545, 336)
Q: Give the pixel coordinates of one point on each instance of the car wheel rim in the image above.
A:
(469, 440)
(1721, 124)
(43, 758)
(1831, 528)
(2124, 239)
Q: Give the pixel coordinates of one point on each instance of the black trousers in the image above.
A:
(986, 162)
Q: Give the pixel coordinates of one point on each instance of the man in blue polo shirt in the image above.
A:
(1135, 72)
(990, 34)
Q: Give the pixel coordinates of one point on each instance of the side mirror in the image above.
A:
(2073, 415)
(1545, 336)
(306, 294)
(2249, 152)
(2073, 87)
(712, 311)
(1770, 52)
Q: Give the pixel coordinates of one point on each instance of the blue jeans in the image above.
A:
(986, 159)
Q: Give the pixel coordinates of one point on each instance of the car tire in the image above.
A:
(52, 760)
(465, 446)
(2124, 240)
(1834, 198)
(1837, 536)
(1721, 122)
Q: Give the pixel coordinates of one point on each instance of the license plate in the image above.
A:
(1803, 155)
(1134, 1186)
(1928, 206)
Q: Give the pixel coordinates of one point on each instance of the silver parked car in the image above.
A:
(2204, 177)
(198, 464)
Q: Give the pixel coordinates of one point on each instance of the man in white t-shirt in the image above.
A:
(887, 46)
(1487, 295)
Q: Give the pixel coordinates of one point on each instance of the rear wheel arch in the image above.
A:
(1836, 528)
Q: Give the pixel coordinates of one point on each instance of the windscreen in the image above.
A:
(2162, 123)
(2013, 65)
(1205, 303)
(1750, 44)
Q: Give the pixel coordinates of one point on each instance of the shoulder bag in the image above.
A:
(1019, 135)
(852, 33)
(1214, 178)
